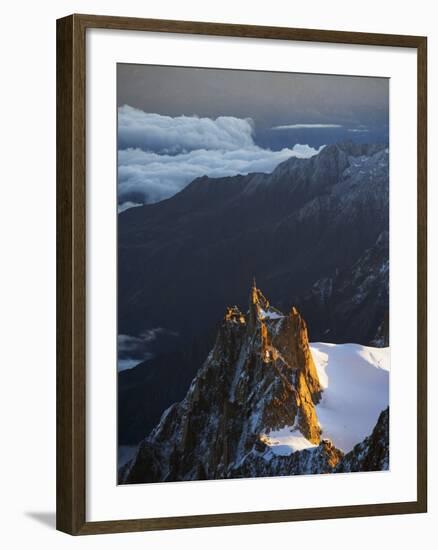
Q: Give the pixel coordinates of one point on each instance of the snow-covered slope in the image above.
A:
(355, 380)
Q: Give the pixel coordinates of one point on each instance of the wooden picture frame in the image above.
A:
(71, 272)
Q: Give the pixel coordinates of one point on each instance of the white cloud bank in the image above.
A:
(159, 155)
(172, 135)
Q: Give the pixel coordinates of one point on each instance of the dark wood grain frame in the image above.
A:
(71, 266)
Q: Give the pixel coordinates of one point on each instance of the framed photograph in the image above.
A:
(241, 274)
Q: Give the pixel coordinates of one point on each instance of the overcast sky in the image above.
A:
(177, 123)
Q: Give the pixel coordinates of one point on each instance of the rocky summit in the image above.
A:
(258, 381)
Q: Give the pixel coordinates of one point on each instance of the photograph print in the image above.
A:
(253, 274)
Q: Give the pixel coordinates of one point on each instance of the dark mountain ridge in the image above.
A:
(314, 229)
(308, 219)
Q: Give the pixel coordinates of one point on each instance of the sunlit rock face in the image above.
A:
(258, 378)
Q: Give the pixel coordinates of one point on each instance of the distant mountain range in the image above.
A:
(314, 232)
(253, 408)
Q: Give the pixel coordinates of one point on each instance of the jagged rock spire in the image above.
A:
(258, 378)
(257, 303)
(255, 293)
(253, 301)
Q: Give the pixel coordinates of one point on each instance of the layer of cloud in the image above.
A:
(305, 126)
(127, 343)
(147, 177)
(160, 155)
(132, 350)
(128, 204)
(173, 135)
(126, 364)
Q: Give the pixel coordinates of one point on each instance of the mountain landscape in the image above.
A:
(303, 229)
(264, 403)
(314, 232)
